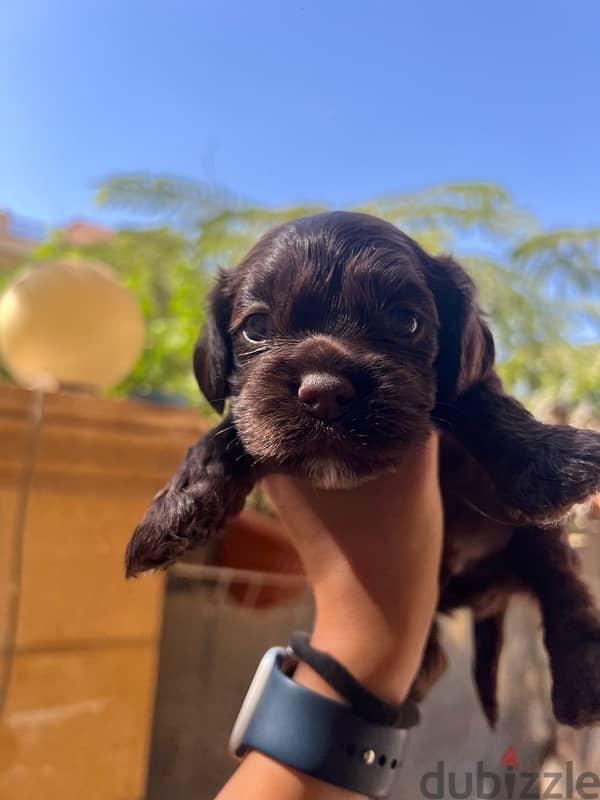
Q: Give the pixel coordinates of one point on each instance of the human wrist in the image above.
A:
(382, 663)
(378, 637)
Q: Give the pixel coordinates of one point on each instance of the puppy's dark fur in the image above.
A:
(336, 289)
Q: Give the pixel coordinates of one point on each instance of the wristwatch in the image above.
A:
(314, 734)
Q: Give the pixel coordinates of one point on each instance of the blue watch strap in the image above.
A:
(321, 737)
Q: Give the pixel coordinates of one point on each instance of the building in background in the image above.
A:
(19, 236)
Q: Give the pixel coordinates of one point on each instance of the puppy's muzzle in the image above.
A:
(326, 396)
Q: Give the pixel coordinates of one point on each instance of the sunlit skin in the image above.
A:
(375, 593)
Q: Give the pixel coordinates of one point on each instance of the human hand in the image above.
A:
(372, 557)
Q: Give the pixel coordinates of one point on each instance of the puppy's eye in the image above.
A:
(405, 323)
(256, 328)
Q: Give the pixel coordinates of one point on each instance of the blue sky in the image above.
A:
(306, 100)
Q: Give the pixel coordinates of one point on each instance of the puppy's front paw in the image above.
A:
(576, 680)
(176, 520)
(559, 469)
(211, 484)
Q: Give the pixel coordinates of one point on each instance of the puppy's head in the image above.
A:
(335, 339)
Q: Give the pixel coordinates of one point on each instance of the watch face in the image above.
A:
(267, 664)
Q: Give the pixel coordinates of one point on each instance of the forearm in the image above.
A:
(372, 558)
(382, 652)
(387, 669)
(260, 778)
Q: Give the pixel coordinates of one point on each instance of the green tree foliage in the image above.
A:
(541, 288)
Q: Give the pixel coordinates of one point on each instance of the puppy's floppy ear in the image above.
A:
(213, 358)
(538, 471)
(466, 346)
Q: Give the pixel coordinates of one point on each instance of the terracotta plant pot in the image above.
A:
(258, 543)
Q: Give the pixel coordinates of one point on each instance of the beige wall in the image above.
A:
(78, 644)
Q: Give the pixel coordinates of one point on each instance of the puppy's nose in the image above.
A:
(325, 396)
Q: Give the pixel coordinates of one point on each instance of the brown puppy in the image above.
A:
(340, 343)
